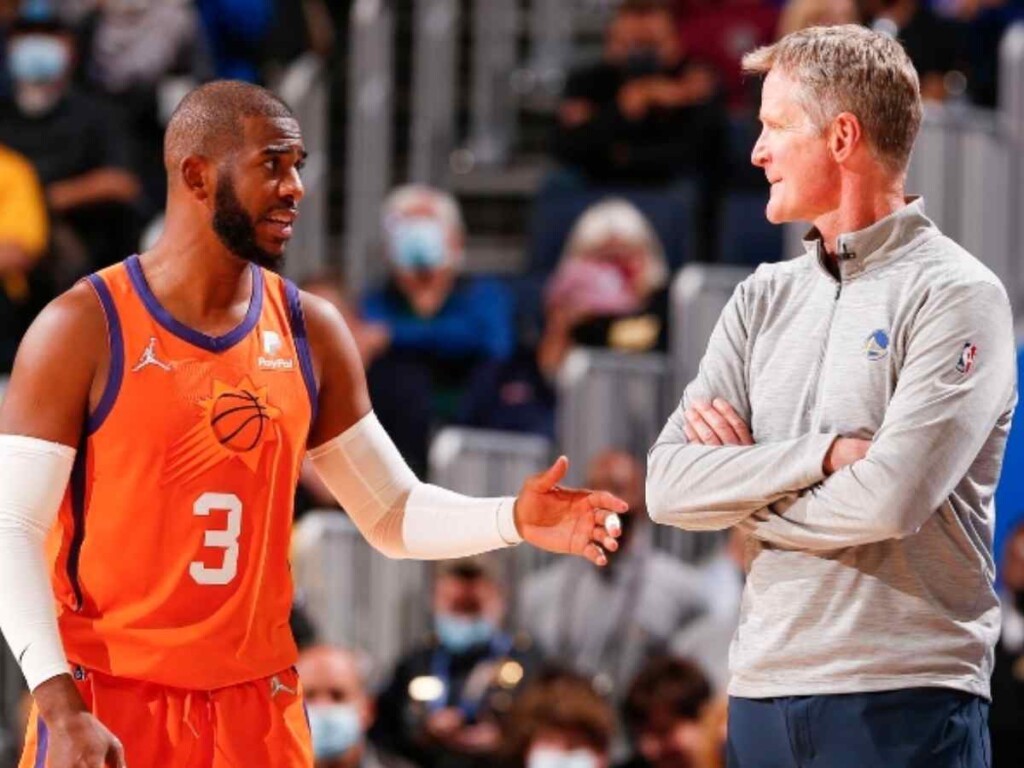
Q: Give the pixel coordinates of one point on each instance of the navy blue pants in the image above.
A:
(912, 728)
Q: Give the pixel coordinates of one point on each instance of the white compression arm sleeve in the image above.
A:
(398, 514)
(33, 476)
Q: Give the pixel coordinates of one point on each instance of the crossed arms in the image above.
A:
(824, 491)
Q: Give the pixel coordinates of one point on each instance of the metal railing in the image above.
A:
(609, 400)
(698, 295)
(434, 81)
(368, 140)
(356, 596)
(493, 101)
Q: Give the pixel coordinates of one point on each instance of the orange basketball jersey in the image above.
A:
(170, 555)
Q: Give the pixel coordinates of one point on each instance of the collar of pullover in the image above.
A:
(877, 244)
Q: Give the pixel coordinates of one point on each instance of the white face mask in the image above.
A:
(336, 729)
(550, 757)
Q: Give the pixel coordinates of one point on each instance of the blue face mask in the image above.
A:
(458, 634)
(418, 244)
(546, 757)
(37, 59)
(336, 728)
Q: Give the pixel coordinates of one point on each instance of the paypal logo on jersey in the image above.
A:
(269, 361)
(876, 346)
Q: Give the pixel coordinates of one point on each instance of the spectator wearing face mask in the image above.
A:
(610, 289)
(78, 147)
(339, 707)
(1007, 714)
(561, 721)
(645, 114)
(672, 719)
(440, 325)
(444, 704)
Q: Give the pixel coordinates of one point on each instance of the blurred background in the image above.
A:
(531, 213)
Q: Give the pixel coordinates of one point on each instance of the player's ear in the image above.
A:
(194, 172)
(844, 136)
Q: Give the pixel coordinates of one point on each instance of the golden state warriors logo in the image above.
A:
(237, 422)
(876, 346)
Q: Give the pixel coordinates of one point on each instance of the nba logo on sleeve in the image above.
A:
(966, 362)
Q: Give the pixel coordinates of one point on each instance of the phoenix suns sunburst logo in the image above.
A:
(237, 422)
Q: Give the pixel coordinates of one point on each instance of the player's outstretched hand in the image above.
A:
(568, 520)
(79, 740)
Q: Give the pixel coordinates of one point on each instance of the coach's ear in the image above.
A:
(195, 176)
(845, 136)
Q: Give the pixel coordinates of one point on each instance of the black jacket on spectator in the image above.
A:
(399, 728)
(659, 148)
(82, 133)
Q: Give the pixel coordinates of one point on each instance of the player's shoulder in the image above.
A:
(322, 318)
(73, 323)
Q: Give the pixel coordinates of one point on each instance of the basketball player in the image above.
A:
(851, 413)
(179, 391)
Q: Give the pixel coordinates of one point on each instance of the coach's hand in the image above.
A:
(568, 520)
(76, 739)
(715, 423)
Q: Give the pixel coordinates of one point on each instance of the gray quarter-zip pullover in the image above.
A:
(878, 577)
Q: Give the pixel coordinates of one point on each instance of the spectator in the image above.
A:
(800, 14)
(147, 55)
(610, 289)
(560, 721)
(646, 114)
(78, 147)
(446, 699)
(936, 46)
(440, 325)
(1007, 717)
(23, 239)
(671, 717)
(720, 33)
(340, 709)
(644, 596)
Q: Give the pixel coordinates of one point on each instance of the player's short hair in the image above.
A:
(849, 68)
(208, 121)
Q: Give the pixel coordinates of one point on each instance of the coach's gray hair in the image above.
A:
(849, 68)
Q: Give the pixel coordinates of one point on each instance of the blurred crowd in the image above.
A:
(649, 168)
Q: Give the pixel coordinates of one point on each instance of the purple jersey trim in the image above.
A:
(297, 321)
(116, 344)
(192, 336)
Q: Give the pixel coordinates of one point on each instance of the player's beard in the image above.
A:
(235, 228)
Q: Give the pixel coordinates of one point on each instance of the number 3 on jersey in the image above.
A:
(226, 539)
